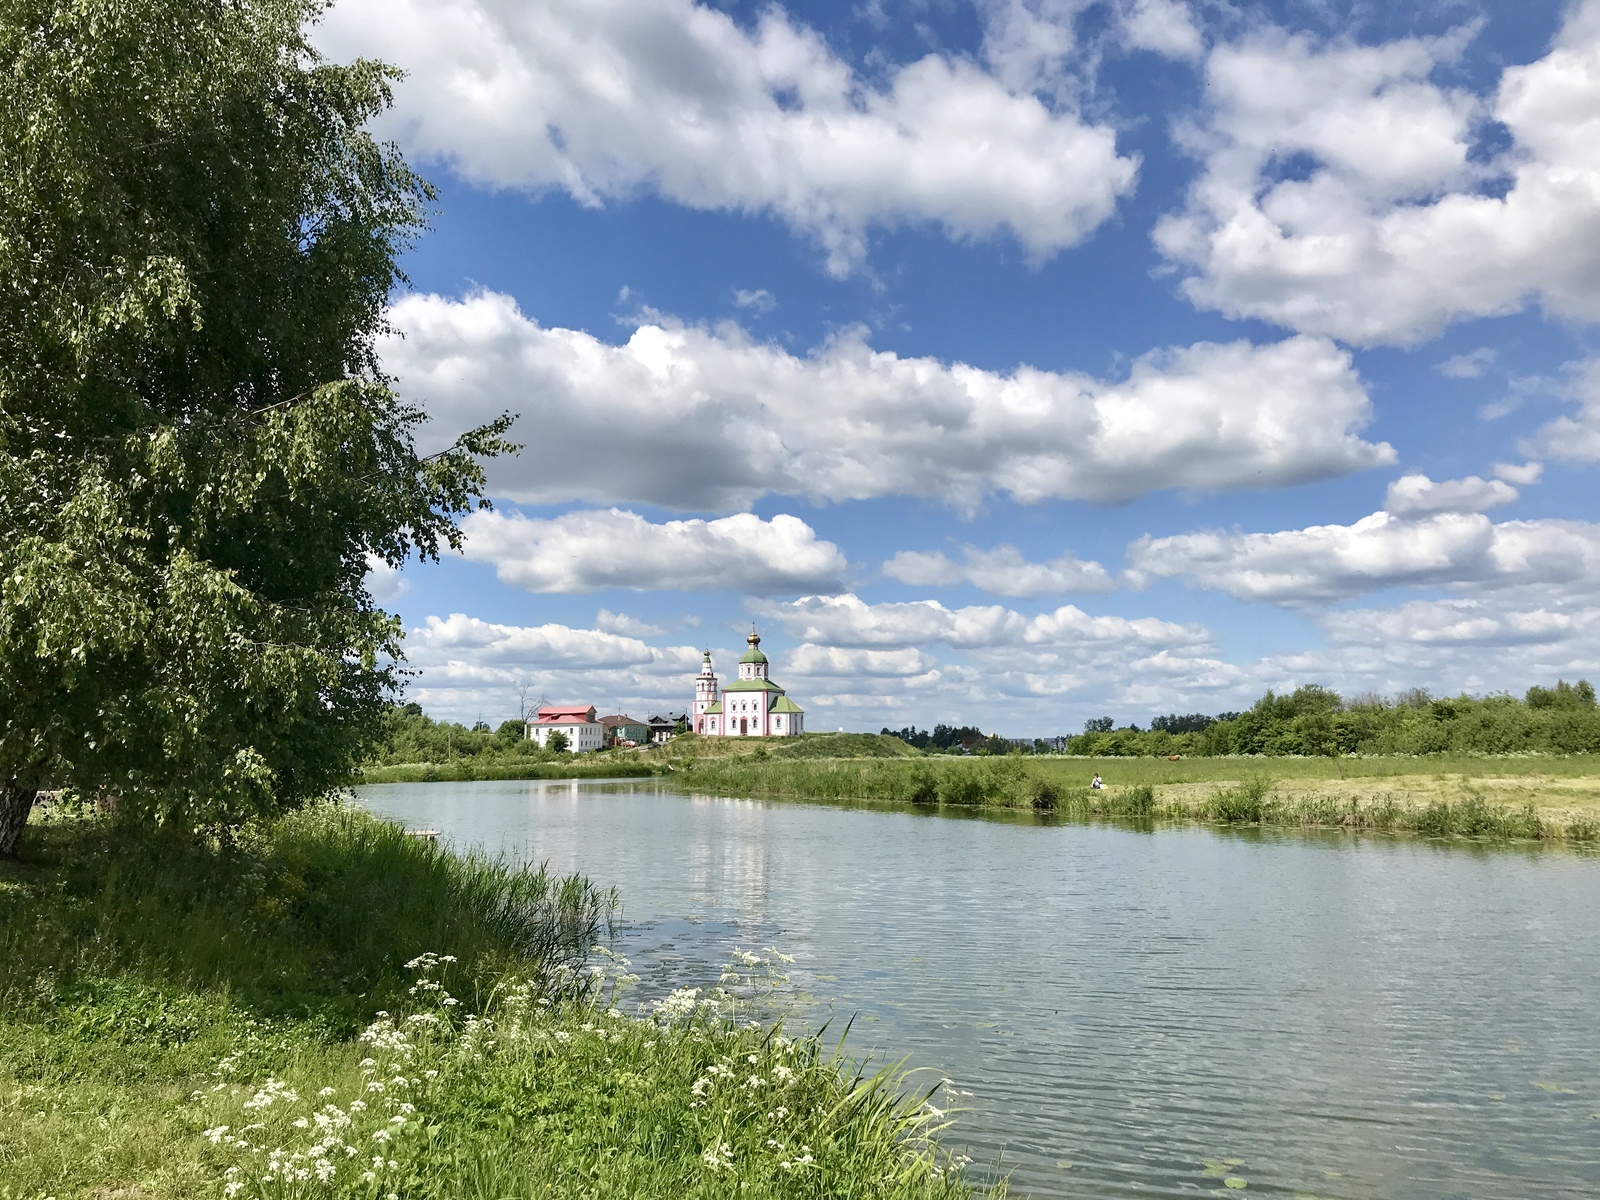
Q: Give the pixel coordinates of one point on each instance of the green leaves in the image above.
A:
(198, 453)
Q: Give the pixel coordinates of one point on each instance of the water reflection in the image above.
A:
(1161, 1008)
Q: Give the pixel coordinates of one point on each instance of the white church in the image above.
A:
(750, 706)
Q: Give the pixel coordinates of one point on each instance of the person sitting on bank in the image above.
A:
(1097, 784)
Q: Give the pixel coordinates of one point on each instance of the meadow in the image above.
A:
(1543, 797)
(321, 1005)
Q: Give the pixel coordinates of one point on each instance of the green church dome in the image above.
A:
(754, 655)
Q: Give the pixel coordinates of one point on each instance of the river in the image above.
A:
(1134, 1012)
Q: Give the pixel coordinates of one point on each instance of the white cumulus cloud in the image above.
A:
(690, 417)
(589, 550)
(833, 661)
(1002, 571)
(1417, 495)
(1339, 195)
(849, 621)
(1329, 562)
(610, 97)
(1463, 622)
(1165, 27)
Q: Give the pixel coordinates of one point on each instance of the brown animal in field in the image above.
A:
(1174, 757)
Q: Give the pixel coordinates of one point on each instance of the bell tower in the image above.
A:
(705, 693)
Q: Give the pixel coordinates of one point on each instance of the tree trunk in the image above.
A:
(16, 802)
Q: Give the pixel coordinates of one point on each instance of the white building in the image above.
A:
(750, 706)
(577, 723)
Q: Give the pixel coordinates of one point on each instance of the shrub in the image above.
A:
(1245, 804)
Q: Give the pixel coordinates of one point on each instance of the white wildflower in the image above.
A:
(718, 1156)
(271, 1092)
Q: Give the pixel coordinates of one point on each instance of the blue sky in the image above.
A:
(1008, 362)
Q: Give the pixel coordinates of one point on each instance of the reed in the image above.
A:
(311, 913)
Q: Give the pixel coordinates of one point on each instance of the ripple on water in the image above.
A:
(1329, 1016)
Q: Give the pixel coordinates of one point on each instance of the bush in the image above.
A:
(1243, 805)
(1043, 795)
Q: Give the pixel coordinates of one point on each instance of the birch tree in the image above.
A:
(200, 457)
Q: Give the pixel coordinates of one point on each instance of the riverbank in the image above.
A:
(465, 770)
(1535, 798)
(252, 1016)
(634, 763)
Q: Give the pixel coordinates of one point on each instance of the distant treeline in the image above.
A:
(1316, 721)
(411, 736)
(943, 737)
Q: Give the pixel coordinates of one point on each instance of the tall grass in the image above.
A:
(313, 912)
(155, 988)
(1043, 786)
(528, 1098)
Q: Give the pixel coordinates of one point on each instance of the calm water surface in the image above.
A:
(1345, 1018)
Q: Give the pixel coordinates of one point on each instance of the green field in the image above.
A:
(1528, 797)
(325, 1006)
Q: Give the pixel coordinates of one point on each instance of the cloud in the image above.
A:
(384, 582)
(813, 661)
(498, 648)
(1340, 194)
(590, 550)
(1465, 622)
(850, 621)
(1001, 572)
(761, 300)
(690, 417)
(469, 668)
(1575, 438)
(1164, 27)
(1330, 562)
(612, 97)
(1524, 475)
(613, 622)
(1028, 43)
(1467, 366)
(1417, 495)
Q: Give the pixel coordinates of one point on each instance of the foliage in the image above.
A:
(556, 743)
(943, 737)
(411, 736)
(1315, 721)
(199, 458)
(135, 1060)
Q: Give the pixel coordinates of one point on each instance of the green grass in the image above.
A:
(1465, 798)
(508, 767)
(154, 988)
(691, 748)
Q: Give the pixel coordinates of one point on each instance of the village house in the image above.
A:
(750, 706)
(662, 729)
(575, 722)
(622, 730)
